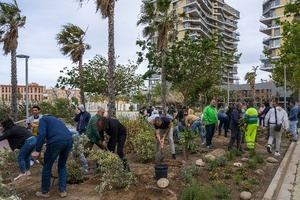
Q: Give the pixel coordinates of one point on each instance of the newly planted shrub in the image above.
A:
(187, 140)
(189, 173)
(221, 162)
(143, 144)
(75, 173)
(111, 168)
(221, 191)
(197, 192)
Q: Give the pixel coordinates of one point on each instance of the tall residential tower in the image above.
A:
(206, 17)
(273, 14)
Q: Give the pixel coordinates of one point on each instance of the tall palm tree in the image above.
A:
(71, 40)
(107, 10)
(250, 79)
(160, 26)
(10, 22)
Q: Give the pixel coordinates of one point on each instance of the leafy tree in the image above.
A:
(10, 22)
(194, 65)
(95, 74)
(71, 40)
(290, 49)
(160, 24)
(107, 9)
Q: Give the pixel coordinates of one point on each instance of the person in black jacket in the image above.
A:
(19, 138)
(117, 134)
(235, 126)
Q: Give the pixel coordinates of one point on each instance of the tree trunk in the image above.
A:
(14, 85)
(81, 82)
(163, 83)
(111, 61)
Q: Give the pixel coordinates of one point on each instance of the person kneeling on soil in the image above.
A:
(59, 144)
(164, 127)
(117, 136)
(19, 138)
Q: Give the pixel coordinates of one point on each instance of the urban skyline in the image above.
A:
(39, 42)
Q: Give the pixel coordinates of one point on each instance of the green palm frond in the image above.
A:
(71, 42)
(10, 21)
(101, 5)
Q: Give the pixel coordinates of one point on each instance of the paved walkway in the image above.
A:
(296, 184)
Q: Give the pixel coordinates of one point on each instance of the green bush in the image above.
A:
(233, 153)
(220, 162)
(144, 146)
(189, 173)
(75, 174)
(221, 191)
(197, 192)
(111, 168)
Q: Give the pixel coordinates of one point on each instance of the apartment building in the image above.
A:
(57, 93)
(35, 92)
(205, 17)
(273, 13)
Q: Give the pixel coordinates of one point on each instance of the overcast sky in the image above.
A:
(45, 18)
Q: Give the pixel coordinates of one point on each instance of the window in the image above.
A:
(277, 32)
(35, 90)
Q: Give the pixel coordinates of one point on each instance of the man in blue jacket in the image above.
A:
(293, 118)
(82, 119)
(59, 144)
(235, 126)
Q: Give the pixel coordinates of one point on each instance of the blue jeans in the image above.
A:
(197, 127)
(293, 129)
(59, 149)
(25, 154)
(210, 131)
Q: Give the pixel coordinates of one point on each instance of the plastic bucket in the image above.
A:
(161, 171)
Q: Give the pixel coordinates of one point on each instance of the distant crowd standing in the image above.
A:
(240, 120)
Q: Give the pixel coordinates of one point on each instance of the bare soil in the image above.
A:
(146, 188)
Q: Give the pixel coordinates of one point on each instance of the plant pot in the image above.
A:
(161, 171)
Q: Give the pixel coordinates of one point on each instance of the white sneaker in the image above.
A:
(28, 173)
(20, 176)
(31, 163)
(277, 153)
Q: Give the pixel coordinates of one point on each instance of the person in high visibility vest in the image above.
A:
(251, 120)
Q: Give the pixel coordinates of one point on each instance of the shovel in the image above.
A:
(159, 156)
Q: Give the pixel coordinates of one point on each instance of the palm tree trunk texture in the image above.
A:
(81, 79)
(163, 83)
(111, 61)
(14, 83)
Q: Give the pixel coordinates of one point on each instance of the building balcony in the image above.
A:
(267, 20)
(270, 6)
(231, 11)
(199, 21)
(267, 29)
(193, 28)
(205, 4)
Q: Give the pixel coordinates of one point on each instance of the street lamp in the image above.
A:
(284, 72)
(26, 80)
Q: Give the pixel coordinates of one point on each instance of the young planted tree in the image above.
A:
(160, 24)
(10, 22)
(107, 9)
(95, 73)
(290, 50)
(71, 40)
(250, 78)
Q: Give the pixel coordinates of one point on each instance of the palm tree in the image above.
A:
(250, 78)
(10, 22)
(71, 39)
(107, 9)
(160, 24)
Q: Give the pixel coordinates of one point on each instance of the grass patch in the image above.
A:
(189, 173)
(221, 191)
(221, 162)
(233, 153)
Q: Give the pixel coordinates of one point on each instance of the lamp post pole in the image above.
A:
(285, 107)
(228, 96)
(26, 82)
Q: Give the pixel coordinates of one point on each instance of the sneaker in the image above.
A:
(31, 163)
(28, 173)
(43, 195)
(20, 176)
(269, 148)
(203, 143)
(63, 194)
(174, 156)
(277, 153)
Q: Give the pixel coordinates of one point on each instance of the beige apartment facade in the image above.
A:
(206, 17)
(35, 92)
(273, 14)
(57, 93)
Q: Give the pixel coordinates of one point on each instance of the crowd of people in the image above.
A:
(240, 120)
